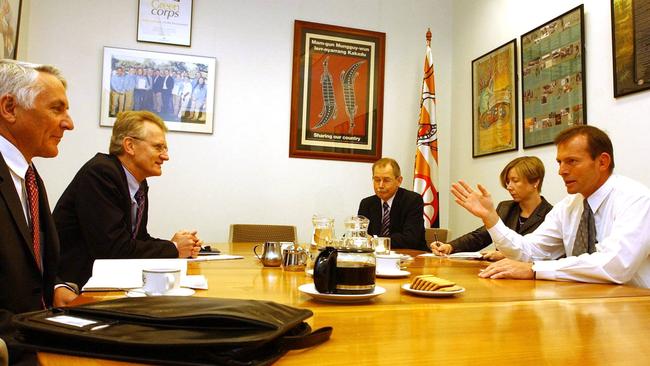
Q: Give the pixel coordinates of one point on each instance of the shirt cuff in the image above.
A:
(544, 270)
(496, 231)
(69, 285)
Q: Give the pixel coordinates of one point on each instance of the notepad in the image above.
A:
(125, 274)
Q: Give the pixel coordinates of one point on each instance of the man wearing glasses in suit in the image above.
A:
(103, 213)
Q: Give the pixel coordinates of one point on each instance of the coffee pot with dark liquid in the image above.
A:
(348, 268)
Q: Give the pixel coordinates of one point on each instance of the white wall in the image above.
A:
(480, 26)
(242, 173)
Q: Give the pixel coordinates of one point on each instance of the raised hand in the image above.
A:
(477, 202)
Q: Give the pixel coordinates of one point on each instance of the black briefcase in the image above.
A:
(172, 330)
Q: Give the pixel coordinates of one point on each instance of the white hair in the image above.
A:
(19, 79)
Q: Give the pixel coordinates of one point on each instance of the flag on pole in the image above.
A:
(425, 178)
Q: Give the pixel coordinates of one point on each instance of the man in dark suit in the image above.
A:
(33, 118)
(167, 86)
(103, 212)
(393, 211)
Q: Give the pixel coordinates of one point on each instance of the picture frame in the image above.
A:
(494, 101)
(10, 11)
(167, 84)
(553, 79)
(337, 93)
(165, 21)
(630, 51)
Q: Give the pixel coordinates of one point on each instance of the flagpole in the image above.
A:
(425, 177)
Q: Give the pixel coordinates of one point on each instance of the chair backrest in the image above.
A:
(261, 233)
(431, 234)
(4, 354)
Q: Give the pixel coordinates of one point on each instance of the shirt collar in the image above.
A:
(390, 200)
(13, 157)
(597, 198)
(133, 183)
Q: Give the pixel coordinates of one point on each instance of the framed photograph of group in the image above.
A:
(165, 21)
(553, 78)
(337, 93)
(178, 88)
(9, 27)
(494, 101)
(631, 45)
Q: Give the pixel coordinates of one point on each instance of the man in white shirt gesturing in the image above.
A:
(599, 233)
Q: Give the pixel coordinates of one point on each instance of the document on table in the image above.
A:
(459, 255)
(214, 257)
(123, 274)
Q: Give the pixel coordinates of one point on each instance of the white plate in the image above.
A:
(310, 290)
(139, 292)
(407, 287)
(395, 274)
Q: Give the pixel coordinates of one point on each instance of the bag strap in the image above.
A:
(307, 340)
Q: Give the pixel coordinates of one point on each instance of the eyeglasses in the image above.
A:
(160, 148)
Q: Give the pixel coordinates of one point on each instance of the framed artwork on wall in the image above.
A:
(494, 101)
(9, 27)
(337, 93)
(631, 46)
(553, 78)
(165, 21)
(178, 88)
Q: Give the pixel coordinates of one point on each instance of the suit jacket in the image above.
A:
(22, 286)
(169, 83)
(509, 212)
(93, 218)
(406, 219)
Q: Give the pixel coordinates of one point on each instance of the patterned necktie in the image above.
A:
(385, 221)
(139, 199)
(586, 235)
(32, 197)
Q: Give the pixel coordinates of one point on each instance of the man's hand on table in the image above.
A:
(508, 268)
(187, 243)
(63, 296)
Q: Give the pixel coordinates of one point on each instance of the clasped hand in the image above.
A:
(187, 243)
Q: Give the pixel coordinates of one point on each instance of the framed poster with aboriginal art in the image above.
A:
(337, 93)
(9, 26)
(553, 78)
(494, 101)
(631, 46)
(178, 88)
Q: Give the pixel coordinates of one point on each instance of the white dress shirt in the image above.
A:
(18, 169)
(622, 217)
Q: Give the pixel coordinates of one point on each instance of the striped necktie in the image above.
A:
(139, 199)
(385, 221)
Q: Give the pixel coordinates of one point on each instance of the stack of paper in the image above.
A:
(123, 274)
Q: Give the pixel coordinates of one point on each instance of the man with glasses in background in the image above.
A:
(394, 212)
(103, 212)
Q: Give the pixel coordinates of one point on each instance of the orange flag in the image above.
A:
(425, 179)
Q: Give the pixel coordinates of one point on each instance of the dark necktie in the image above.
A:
(139, 199)
(385, 221)
(586, 235)
(32, 197)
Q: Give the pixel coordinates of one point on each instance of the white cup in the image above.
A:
(159, 281)
(388, 263)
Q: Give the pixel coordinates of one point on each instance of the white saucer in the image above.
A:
(407, 287)
(310, 290)
(394, 274)
(182, 291)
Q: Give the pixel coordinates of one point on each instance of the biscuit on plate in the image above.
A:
(430, 283)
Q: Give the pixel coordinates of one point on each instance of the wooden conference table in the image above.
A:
(492, 322)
